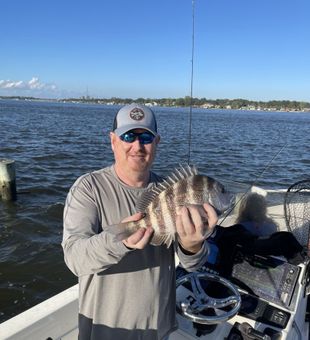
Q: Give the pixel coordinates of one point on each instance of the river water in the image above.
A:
(54, 143)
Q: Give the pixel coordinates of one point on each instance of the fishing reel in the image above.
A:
(195, 303)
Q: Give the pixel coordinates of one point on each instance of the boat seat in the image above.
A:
(297, 211)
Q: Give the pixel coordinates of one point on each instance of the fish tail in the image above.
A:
(122, 231)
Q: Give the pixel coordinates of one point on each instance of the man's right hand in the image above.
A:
(141, 237)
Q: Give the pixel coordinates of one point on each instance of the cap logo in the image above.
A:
(136, 114)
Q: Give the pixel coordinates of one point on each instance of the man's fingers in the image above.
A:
(135, 217)
(136, 236)
(212, 215)
(184, 223)
(179, 224)
(145, 239)
(194, 219)
(199, 218)
(139, 239)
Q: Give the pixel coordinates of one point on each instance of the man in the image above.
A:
(127, 288)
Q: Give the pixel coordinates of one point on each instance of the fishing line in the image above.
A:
(268, 165)
(254, 182)
(191, 86)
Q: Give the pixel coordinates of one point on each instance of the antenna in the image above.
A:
(191, 92)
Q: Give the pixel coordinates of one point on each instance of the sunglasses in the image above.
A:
(144, 137)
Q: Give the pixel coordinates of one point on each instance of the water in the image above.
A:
(54, 143)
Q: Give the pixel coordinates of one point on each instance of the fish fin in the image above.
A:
(145, 199)
(175, 176)
(120, 231)
(187, 170)
(180, 173)
(157, 240)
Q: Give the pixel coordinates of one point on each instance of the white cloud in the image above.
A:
(33, 84)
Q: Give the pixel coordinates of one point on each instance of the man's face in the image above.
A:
(133, 156)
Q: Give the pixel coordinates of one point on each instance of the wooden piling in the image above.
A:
(7, 180)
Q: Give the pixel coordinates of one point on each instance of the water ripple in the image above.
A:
(53, 144)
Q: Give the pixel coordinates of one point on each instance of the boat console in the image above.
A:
(269, 278)
(273, 301)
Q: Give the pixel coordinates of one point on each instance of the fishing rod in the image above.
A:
(191, 86)
(190, 121)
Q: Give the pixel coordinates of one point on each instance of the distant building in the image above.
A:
(207, 106)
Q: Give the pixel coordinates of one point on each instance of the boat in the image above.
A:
(267, 299)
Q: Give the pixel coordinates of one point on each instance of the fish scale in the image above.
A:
(183, 187)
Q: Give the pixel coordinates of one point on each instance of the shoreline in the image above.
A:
(154, 103)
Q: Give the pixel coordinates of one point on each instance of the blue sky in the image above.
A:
(252, 49)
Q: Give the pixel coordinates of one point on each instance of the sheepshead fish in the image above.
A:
(183, 187)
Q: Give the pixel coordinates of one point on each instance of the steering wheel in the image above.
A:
(199, 301)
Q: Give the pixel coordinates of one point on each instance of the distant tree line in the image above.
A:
(203, 102)
(188, 101)
(18, 98)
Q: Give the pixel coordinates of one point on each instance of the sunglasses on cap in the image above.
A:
(145, 137)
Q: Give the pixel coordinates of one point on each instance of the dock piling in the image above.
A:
(7, 180)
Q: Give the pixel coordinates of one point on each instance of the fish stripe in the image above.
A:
(152, 221)
(190, 190)
(168, 211)
(181, 190)
(197, 188)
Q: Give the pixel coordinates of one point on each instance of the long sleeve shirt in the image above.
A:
(123, 293)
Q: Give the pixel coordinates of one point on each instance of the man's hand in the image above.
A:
(141, 237)
(194, 223)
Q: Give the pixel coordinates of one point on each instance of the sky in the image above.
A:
(251, 49)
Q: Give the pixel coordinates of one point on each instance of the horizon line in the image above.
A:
(88, 98)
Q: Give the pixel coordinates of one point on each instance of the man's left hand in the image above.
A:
(194, 223)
